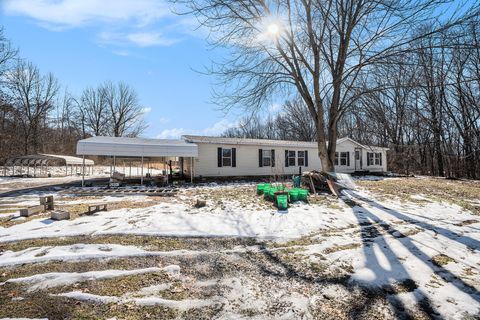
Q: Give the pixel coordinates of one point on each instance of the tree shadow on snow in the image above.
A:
(389, 269)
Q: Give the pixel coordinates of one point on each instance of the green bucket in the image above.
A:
(293, 194)
(260, 187)
(302, 194)
(266, 190)
(271, 193)
(282, 202)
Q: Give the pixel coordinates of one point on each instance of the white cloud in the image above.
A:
(275, 107)
(122, 53)
(146, 110)
(163, 120)
(146, 39)
(215, 130)
(139, 39)
(120, 23)
(174, 133)
(75, 13)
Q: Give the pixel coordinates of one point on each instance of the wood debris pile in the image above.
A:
(318, 181)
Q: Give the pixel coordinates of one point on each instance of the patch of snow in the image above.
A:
(173, 219)
(185, 304)
(57, 279)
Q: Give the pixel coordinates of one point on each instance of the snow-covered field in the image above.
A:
(362, 256)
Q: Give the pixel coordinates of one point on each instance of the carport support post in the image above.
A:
(114, 164)
(83, 171)
(141, 173)
(191, 170)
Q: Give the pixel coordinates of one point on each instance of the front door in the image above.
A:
(358, 159)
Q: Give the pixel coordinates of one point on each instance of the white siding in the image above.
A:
(247, 161)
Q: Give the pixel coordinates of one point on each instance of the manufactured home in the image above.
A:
(223, 157)
(203, 156)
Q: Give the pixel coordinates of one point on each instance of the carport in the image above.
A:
(42, 163)
(137, 148)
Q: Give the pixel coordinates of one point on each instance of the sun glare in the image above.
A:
(273, 29)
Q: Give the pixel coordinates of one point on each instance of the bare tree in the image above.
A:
(294, 123)
(94, 111)
(316, 49)
(33, 97)
(125, 111)
(8, 126)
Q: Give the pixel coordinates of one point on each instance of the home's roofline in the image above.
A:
(267, 142)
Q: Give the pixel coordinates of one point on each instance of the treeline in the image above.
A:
(424, 104)
(38, 115)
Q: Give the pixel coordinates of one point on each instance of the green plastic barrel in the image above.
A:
(266, 190)
(302, 194)
(260, 187)
(282, 202)
(293, 194)
(271, 193)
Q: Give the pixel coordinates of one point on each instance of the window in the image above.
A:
(374, 159)
(291, 158)
(301, 158)
(226, 157)
(336, 158)
(344, 159)
(267, 158)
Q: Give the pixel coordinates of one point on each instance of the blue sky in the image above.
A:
(140, 42)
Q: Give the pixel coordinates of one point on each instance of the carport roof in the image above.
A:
(136, 147)
(44, 158)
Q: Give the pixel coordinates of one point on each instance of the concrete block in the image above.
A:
(46, 199)
(27, 212)
(60, 215)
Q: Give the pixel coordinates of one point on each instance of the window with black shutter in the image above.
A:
(234, 157)
(301, 158)
(344, 158)
(219, 157)
(267, 158)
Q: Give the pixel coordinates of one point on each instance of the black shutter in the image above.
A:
(273, 158)
(234, 157)
(369, 162)
(286, 158)
(219, 157)
(306, 158)
(380, 154)
(348, 159)
(260, 157)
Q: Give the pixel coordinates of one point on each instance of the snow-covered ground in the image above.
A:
(417, 254)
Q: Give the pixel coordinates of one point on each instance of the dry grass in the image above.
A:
(463, 193)
(441, 260)
(336, 248)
